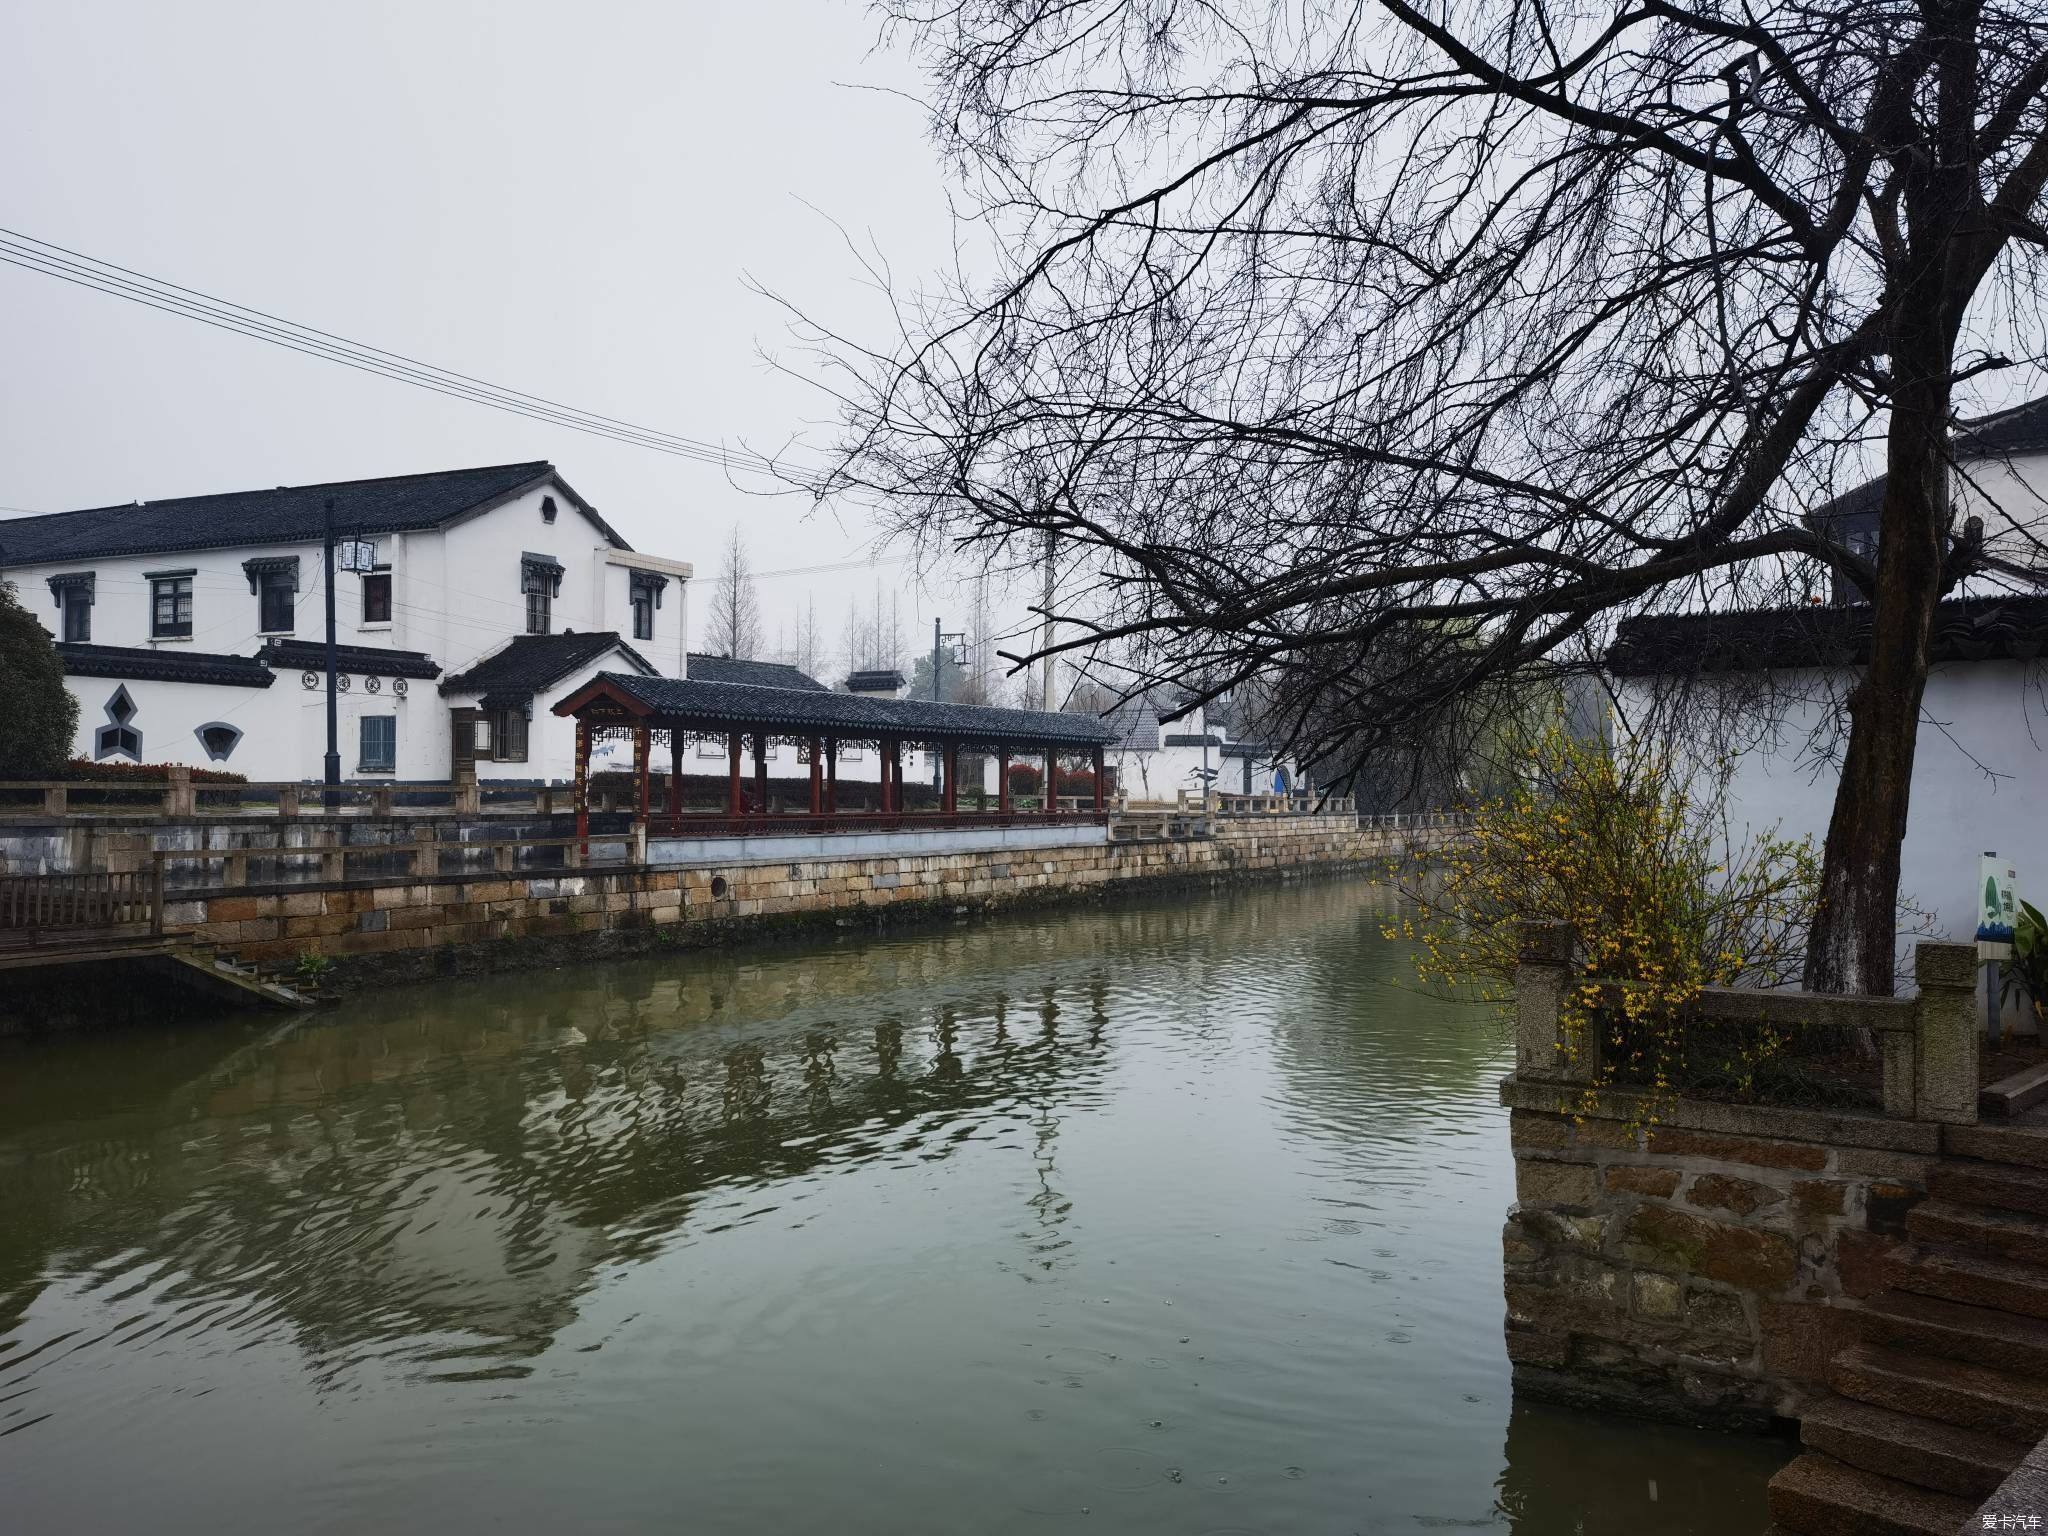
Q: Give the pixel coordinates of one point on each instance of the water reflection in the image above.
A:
(1185, 1216)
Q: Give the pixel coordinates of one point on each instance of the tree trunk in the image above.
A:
(1852, 946)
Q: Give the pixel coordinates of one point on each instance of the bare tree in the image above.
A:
(807, 655)
(735, 620)
(1479, 323)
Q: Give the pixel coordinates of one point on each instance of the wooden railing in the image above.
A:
(83, 901)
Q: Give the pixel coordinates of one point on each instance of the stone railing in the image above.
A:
(1929, 1043)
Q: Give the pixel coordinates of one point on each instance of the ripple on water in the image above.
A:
(591, 1245)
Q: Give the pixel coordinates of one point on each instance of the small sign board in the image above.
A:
(355, 555)
(1997, 906)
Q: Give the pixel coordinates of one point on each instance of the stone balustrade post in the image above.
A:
(380, 802)
(235, 870)
(56, 801)
(468, 796)
(179, 799)
(1946, 1033)
(1541, 976)
(288, 800)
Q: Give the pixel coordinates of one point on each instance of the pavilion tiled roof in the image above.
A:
(764, 674)
(799, 711)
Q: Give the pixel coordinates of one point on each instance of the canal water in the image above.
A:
(1180, 1217)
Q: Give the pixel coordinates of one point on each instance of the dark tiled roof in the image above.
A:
(1188, 739)
(799, 710)
(1973, 629)
(533, 662)
(364, 660)
(762, 674)
(289, 514)
(170, 664)
(2003, 434)
(874, 680)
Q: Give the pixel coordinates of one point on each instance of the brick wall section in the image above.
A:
(1704, 1270)
(366, 918)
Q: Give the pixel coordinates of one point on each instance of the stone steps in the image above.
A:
(1991, 1186)
(1927, 1325)
(2013, 1096)
(1819, 1496)
(1954, 1392)
(1982, 1233)
(1978, 1282)
(1996, 1144)
(1943, 1458)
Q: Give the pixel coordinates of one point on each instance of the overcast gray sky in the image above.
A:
(565, 200)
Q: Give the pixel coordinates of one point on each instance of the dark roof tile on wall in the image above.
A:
(171, 664)
(1972, 629)
(287, 514)
(363, 660)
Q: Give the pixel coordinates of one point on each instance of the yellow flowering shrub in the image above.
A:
(1633, 856)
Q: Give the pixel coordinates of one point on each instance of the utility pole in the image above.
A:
(333, 778)
(937, 697)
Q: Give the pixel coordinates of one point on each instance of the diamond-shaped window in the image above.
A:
(120, 708)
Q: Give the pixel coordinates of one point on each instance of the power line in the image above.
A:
(51, 260)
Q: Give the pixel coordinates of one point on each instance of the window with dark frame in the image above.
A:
(77, 615)
(643, 611)
(278, 602)
(170, 607)
(508, 736)
(377, 744)
(377, 597)
(539, 588)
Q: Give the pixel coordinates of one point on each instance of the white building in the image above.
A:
(1763, 689)
(192, 630)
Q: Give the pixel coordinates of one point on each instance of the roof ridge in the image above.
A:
(271, 490)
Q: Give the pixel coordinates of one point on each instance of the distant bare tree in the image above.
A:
(807, 655)
(735, 620)
(1479, 322)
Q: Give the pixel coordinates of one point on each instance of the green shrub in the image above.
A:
(38, 715)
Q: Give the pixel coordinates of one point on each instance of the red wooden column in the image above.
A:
(675, 779)
(583, 784)
(1052, 779)
(641, 772)
(951, 800)
(1098, 780)
(817, 776)
(760, 773)
(732, 757)
(1003, 780)
(831, 775)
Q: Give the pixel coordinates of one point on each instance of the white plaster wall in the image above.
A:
(224, 610)
(168, 713)
(1978, 716)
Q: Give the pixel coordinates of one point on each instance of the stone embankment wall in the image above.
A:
(418, 926)
(1707, 1267)
(1704, 1270)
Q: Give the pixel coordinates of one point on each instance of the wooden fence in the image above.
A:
(31, 902)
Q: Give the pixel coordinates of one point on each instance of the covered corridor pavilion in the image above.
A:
(641, 709)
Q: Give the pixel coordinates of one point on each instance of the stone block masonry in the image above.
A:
(391, 929)
(1704, 1270)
